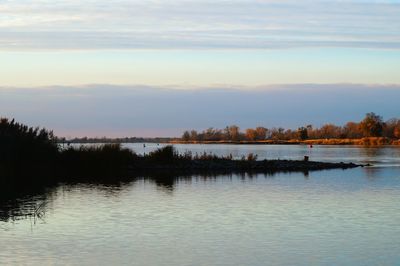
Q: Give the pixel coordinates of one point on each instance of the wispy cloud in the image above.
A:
(195, 24)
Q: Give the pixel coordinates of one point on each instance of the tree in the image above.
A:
(396, 132)
(193, 135)
(289, 134)
(261, 133)
(302, 133)
(329, 131)
(234, 132)
(210, 133)
(186, 136)
(372, 125)
(226, 134)
(251, 134)
(310, 131)
(352, 130)
(277, 133)
(392, 128)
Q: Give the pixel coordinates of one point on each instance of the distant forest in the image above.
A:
(371, 126)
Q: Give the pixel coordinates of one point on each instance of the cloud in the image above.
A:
(99, 110)
(195, 24)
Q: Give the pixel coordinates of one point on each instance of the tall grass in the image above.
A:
(106, 158)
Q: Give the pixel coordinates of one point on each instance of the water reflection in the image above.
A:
(373, 151)
(34, 201)
(31, 203)
(331, 217)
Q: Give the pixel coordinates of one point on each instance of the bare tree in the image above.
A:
(261, 133)
(251, 134)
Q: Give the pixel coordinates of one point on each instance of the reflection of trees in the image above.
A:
(373, 152)
(372, 172)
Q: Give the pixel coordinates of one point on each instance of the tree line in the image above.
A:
(372, 125)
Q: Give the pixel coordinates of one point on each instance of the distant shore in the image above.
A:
(369, 141)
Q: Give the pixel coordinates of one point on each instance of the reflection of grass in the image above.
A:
(39, 212)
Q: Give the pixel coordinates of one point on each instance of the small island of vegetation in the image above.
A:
(34, 155)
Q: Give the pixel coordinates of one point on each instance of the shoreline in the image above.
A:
(369, 141)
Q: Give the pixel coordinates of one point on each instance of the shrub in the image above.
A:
(165, 154)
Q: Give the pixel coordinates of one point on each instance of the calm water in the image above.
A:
(333, 217)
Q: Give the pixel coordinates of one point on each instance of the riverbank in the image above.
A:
(370, 141)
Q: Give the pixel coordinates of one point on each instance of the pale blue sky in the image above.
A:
(197, 43)
(193, 44)
(200, 68)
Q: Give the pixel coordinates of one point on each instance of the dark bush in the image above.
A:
(165, 154)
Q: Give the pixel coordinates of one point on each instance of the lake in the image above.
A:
(332, 217)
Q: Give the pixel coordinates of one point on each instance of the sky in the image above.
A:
(172, 50)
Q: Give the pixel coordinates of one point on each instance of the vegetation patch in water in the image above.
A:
(31, 155)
